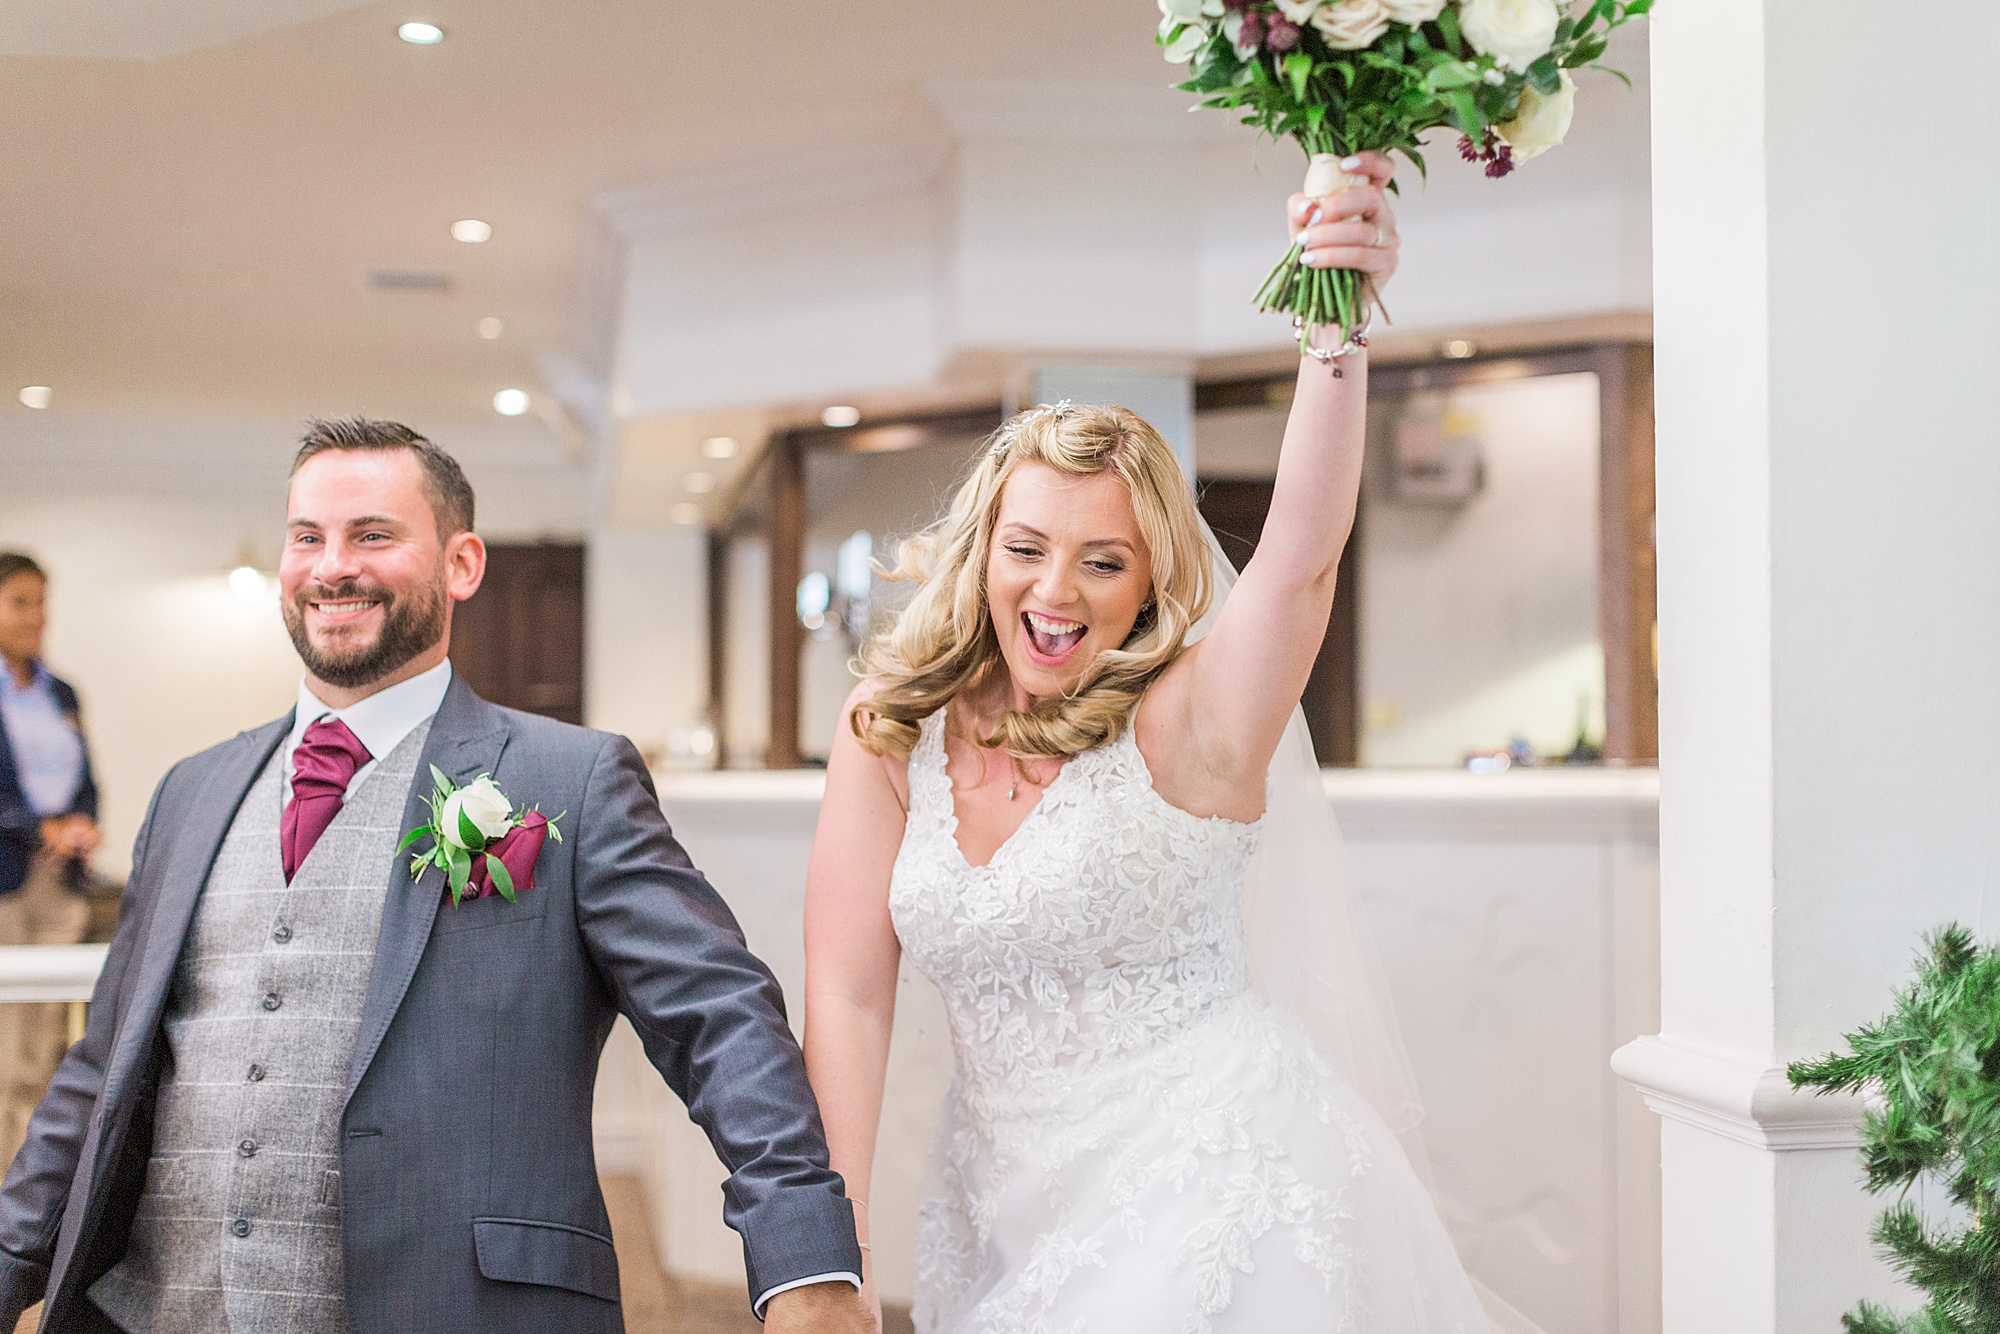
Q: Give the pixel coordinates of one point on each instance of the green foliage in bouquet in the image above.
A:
(1935, 1063)
(1351, 76)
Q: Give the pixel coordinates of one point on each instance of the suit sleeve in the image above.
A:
(712, 1019)
(37, 1186)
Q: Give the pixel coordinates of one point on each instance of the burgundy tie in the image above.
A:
(322, 766)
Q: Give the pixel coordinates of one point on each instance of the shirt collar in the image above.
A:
(383, 719)
(9, 686)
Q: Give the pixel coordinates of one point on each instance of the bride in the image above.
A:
(1047, 793)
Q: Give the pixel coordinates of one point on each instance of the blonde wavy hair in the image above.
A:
(944, 640)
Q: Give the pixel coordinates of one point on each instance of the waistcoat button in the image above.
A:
(241, 1227)
(271, 1001)
(248, 1148)
(256, 1073)
(282, 934)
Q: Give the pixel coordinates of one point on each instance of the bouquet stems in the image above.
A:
(1335, 299)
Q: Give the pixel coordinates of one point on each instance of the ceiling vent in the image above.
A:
(409, 280)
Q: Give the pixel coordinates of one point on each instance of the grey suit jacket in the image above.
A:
(468, 1187)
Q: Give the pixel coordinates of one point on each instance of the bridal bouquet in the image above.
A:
(1352, 76)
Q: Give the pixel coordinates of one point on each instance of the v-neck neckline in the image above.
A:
(951, 804)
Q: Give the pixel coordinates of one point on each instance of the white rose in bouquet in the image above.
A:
(482, 805)
(1196, 15)
(1516, 33)
(1351, 25)
(1542, 120)
(1410, 13)
(1298, 11)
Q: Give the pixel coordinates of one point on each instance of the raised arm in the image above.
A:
(852, 954)
(1270, 628)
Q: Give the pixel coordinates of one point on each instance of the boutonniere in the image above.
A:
(481, 843)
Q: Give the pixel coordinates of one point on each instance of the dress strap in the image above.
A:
(930, 786)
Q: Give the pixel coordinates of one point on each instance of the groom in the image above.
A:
(315, 1096)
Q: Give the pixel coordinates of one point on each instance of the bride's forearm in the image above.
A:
(847, 1060)
(1319, 472)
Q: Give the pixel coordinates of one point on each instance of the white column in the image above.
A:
(1829, 481)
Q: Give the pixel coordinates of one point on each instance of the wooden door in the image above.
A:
(518, 641)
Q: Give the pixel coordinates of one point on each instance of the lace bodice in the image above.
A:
(1108, 922)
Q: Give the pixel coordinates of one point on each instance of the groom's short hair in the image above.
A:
(450, 494)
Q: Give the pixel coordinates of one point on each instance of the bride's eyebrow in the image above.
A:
(1015, 528)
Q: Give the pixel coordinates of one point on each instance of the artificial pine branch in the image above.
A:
(1934, 1063)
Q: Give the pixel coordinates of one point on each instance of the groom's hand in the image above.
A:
(819, 1308)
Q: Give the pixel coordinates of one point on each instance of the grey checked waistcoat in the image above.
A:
(239, 1225)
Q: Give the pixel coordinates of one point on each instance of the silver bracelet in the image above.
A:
(1357, 343)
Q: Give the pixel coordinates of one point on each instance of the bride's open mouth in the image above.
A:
(1051, 639)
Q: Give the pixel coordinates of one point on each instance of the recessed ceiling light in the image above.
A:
(685, 512)
(511, 402)
(421, 34)
(490, 328)
(471, 231)
(37, 396)
(720, 447)
(699, 483)
(248, 583)
(1458, 349)
(840, 415)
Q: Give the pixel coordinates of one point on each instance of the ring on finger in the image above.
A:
(1381, 237)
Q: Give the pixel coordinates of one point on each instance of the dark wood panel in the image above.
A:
(1627, 582)
(518, 641)
(787, 467)
(1236, 509)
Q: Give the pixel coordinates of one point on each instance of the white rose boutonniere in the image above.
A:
(475, 814)
(1516, 33)
(1352, 25)
(1543, 120)
(481, 843)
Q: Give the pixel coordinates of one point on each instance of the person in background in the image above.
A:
(48, 799)
(48, 830)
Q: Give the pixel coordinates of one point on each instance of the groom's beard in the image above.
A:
(409, 626)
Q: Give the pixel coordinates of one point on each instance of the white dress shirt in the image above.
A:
(380, 722)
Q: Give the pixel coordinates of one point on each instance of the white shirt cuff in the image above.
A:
(769, 1293)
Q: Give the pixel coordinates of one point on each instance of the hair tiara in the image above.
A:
(1021, 420)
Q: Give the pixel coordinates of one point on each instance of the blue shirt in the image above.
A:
(48, 750)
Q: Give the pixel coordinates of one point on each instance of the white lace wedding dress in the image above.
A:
(1133, 1143)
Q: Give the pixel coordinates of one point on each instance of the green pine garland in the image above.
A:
(1935, 1063)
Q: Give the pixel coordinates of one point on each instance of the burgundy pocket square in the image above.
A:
(517, 851)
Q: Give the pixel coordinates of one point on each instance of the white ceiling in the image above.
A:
(146, 29)
(192, 233)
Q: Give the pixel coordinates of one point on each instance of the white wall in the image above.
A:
(646, 633)
(1479, 623)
